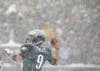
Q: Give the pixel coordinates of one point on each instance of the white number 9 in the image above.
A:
(39, 61)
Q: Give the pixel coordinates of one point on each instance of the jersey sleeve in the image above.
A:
(25, 50)
(51, 59)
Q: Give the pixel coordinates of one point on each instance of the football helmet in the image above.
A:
(36, 36)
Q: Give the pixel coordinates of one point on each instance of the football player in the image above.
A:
(34, 55)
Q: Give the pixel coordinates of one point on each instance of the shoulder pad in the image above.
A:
(27, 45)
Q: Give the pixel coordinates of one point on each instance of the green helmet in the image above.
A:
(37, 36)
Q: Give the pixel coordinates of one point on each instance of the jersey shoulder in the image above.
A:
(48, 50)
(27, 46)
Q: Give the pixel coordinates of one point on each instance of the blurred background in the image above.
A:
(75, 22)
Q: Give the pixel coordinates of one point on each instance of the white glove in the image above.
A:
(8, 51)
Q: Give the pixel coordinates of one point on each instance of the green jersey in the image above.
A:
(34, 57)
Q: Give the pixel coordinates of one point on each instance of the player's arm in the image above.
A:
(12, 56)
(22, 55)
(57, 56)
(51, 58)
(19, 57)
(55, 42)
(24, 51)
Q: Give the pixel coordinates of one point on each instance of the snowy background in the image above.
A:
(75, 22)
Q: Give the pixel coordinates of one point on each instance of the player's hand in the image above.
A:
(18, 58)
(55, 42)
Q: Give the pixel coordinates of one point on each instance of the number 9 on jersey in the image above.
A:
(39, 61)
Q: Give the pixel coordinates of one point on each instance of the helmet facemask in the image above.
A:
(38, 40)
